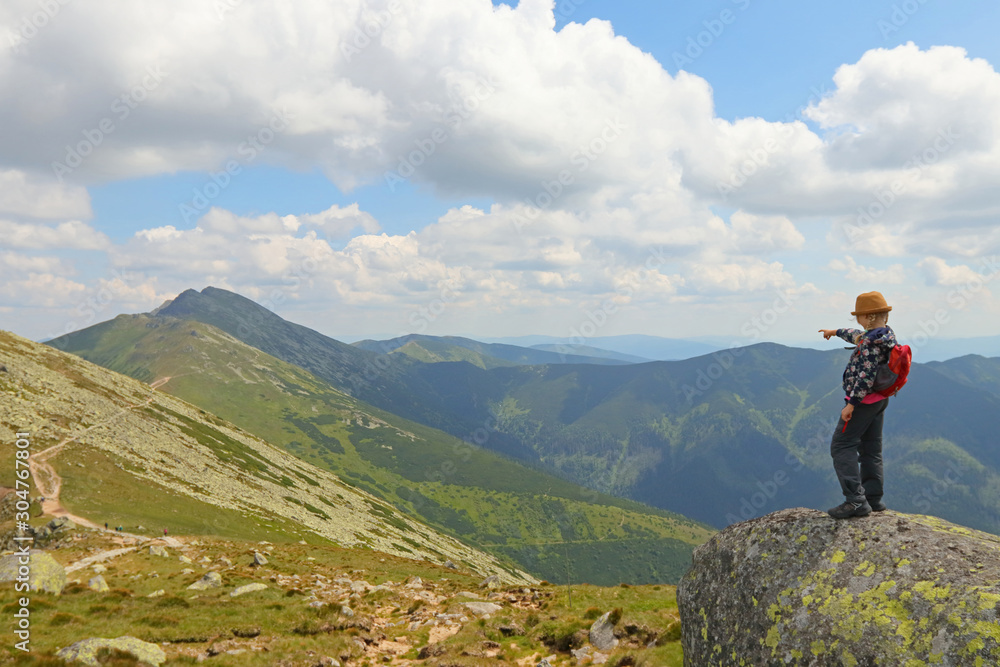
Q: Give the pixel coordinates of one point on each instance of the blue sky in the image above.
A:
(677, 97)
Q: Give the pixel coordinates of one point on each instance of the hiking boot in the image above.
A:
(849, 509)
(877, 505)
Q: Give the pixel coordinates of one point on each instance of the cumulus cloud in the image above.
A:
(892, 275)
(72, 234)
(595, 156)
(25, 195)
(939, 273)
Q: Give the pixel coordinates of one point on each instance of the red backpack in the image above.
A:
(891, 377)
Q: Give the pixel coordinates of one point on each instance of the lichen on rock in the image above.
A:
(797, 587)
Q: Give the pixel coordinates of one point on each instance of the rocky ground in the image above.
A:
(241, 603)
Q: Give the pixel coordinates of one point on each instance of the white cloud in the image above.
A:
(891, 275)
(937, 272)
(72, 234)
(24, 195)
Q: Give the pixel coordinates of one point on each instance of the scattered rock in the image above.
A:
(482, 608)
(61, 523)
(210, 580)
(249, 588)
(157, 550)
(602, 633)
(492, 583)
(360, 587)
(544, 662)
(599, 658)
(187, 570)
(317, 604)
(258, 559)
(185, 559)
(797, 582)
(414, 583)
(346, 611)
(467, 594)
(247, 633)
(98, 584)
(511, 630)
(205, 559)
(431, 651)
(98, 568)
(44, 573)
(85, 651)
(581, 653)
(225, 561)
(157, 594)
(451, 566)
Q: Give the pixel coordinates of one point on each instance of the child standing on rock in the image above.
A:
(856, 447)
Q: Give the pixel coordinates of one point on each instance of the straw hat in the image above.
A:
(871, 302)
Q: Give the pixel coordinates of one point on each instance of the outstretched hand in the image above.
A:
(828, 333)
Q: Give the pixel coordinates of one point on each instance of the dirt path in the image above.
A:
(49, 483)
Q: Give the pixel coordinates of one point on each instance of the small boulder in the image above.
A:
(258, 559)
(602, 633)
(44, 572)
(157, 594)
(98, 584)
(451, 566)
(210, 580)
(346, 611)
(482, 608)
(98, 568)
(248, 588)
(85, 651)
(184, 559)
(157, 550)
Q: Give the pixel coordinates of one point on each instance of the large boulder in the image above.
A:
(85, 651)
(798, 587)
(41, 572)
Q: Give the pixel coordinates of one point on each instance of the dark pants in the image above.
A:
(857, 453)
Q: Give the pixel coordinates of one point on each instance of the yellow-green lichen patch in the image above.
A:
(865, 569)
(838, 557)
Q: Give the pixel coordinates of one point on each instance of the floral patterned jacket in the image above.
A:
(871, 351)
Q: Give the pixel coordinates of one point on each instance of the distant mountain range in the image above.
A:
(550, 527)
(719, 438)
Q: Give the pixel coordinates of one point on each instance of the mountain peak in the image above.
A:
(885, 589)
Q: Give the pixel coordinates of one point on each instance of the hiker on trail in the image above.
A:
(105, 525)
(164, 532)
(856, 447)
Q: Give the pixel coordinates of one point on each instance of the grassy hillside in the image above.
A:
(555, 529)
(130, 455)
